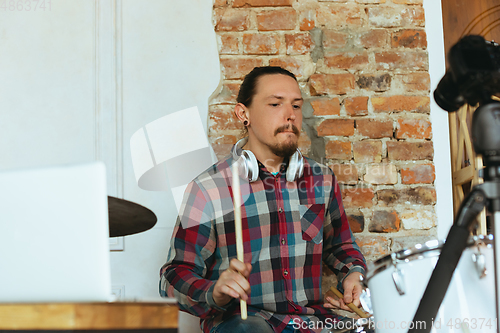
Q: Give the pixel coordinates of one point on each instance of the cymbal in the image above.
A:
(128, 218)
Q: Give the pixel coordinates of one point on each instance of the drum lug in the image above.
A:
(399, 282)
(480, 263)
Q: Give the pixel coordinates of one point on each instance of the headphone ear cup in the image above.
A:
(251, 165)
(295, 168)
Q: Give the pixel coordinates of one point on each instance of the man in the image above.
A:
(292, 219)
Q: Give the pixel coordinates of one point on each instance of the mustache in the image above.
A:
(287, 128)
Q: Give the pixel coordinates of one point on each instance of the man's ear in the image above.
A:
(241, 111)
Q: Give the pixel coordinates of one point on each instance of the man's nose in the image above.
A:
(290, 113)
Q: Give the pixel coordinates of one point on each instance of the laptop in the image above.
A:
(54, 235)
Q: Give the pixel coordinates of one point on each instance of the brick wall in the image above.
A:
(362, 66)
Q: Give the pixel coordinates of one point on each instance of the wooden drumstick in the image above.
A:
(238, 228)
(351, 306)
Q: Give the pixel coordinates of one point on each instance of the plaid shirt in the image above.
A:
(288, 229)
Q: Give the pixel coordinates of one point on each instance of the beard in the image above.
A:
(289, 147)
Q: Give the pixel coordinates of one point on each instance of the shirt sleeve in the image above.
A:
(340, 251)
(191, 254)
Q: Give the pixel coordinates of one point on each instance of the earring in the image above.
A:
(245, 123)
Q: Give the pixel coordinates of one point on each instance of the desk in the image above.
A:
(90, 316)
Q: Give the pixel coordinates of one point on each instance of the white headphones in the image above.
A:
(250, 167)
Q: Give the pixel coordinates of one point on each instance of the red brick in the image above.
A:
(392, 60)
(421, 219)
(405, 242)
(227, 95)
(294, 65)
(261, 3)
(412, 196)
(384, 16)
(331, 84)
(307, 20)
(370, 1)
(381, 174)
(383, 221)
(261, 44)
(340, 15)
(326, 107)
(357, 197)
(281, 19)
(418, 174)
(413, 15)
(407, 151)
(222, 146)
(231, 19)
(336, 127)
(367, 151)
(413, 81)
(356, 221)
(222, 118)
(334, 39)
(237, 68)
(345, 173)
(414, 129)
(409, 2)
(338, 150)
(220, 3)
(298, 43)
(374, 82)
(228, 44)
(373, 247)
(419, 104)
(356, 106)
(374, 38)
(304, 143)
(375, 129)
(410, 38)
(346, 60)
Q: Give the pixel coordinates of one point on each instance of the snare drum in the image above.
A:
(397, 283)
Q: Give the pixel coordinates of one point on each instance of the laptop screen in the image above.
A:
(54, 235)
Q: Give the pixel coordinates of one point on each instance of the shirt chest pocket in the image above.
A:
(311, 220)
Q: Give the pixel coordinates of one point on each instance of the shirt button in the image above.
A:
(285, 273)
(283, 241)
(280, 210)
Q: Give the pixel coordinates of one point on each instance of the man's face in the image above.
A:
(276, 113)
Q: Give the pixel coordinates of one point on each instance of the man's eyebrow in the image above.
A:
(281, 97)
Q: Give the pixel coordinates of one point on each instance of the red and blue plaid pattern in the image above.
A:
(289, 228)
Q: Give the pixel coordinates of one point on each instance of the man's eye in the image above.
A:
(298, 107)
(274, 104)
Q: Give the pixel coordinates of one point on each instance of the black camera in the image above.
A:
(472, 76)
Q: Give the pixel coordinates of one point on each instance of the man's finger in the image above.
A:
(348, 293)
(332, 303)
(238, 289)
(240, 267)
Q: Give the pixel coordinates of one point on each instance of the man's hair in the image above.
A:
(249, 86)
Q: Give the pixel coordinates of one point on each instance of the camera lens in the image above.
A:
(447, 95)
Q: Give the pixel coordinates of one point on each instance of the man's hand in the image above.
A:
(233, 283)
(352, 291)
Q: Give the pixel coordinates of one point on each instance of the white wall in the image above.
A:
(76, 82)
(170, 62)
(439, 118)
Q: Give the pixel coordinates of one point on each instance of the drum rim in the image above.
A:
(430, 248)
